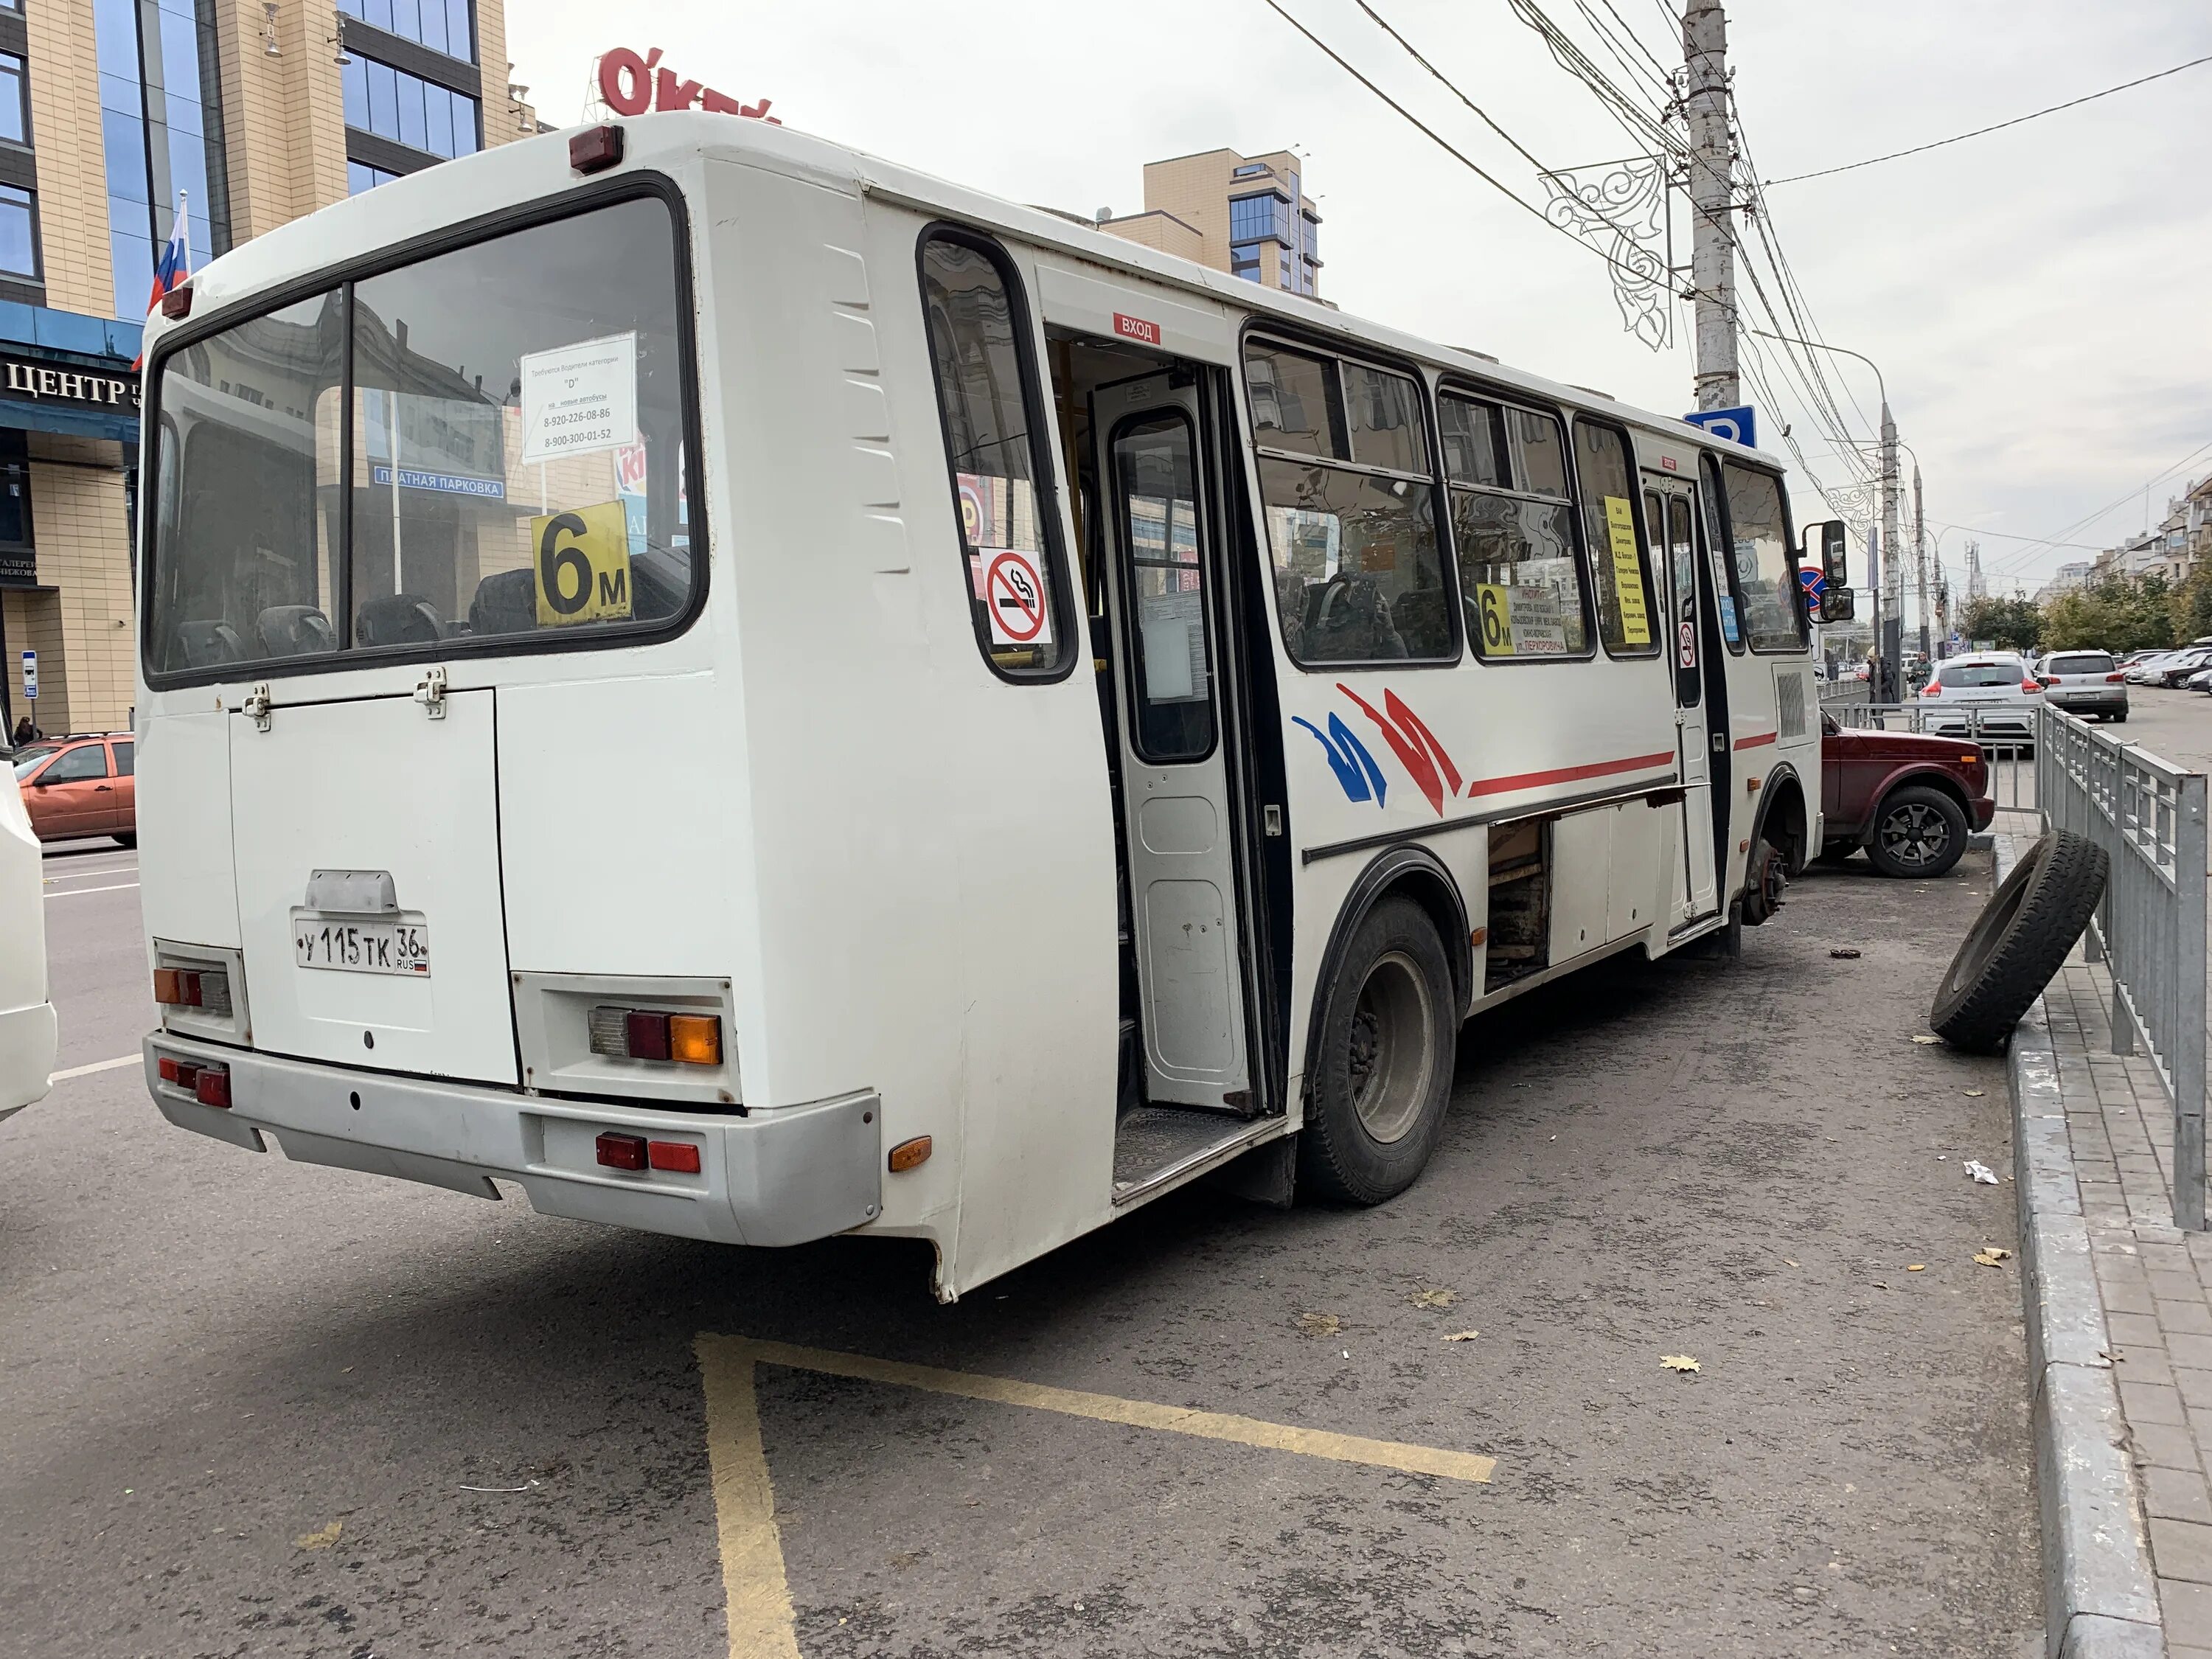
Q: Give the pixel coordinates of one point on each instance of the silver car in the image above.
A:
(2084, 683)
(1991, 693)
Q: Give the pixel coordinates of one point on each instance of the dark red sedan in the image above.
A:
(1910, 800)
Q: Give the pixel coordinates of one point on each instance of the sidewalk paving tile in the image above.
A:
(2181, 1549)
(2177, 1494)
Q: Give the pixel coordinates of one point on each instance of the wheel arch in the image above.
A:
(1931, 776)
(1783, 806)
(1417, 873)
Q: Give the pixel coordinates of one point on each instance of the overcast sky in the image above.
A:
(2037, 299)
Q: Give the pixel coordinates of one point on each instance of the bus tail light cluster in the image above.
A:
(634, 1154)
(205, 988)
(207, 1084)
(650, 1034)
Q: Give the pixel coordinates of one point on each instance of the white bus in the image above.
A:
(757, 695)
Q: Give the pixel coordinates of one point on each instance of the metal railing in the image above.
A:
(2149, 816)
(1836, 692)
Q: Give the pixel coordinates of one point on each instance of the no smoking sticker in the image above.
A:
(1013, 592)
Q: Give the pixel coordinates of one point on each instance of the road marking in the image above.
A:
(753, 1584)
(90, 871)
(753, 1579)
(76, 893)
(117, 1064)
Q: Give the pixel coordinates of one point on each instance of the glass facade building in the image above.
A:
(1245, 215)
(161, 116)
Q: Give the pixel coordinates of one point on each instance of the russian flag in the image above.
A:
(176, 264)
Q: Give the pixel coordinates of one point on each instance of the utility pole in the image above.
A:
(1888, 641)
(1874, 587)
(1712, 200)
(1920, 559)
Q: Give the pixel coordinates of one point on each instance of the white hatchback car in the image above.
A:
(26, 1019)
(1992, 694)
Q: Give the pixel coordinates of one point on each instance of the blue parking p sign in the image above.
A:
(31, 675)
(1736, 424)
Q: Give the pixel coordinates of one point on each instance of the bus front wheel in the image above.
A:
(1382, 1069)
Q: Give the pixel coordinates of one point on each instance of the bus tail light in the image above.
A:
(212, 1086)
(193, 987)
(650, 1034)
(678, 1157)
(617, 1150)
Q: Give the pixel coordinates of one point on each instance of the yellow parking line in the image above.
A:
(753, 1578)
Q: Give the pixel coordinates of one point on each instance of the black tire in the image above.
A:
(131, 840)
(1918, 832)
(1837, 852)
(2019, 941)
(1382, 1060)
(2120, 718)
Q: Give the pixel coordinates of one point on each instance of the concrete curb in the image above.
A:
(2100, 1599)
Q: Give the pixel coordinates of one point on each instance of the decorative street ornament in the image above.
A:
(1623, 209)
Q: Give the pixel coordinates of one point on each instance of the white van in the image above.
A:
(26, 1019)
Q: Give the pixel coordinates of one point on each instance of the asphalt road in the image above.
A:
(244, 1403)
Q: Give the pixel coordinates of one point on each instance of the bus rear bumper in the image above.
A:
(778, 1176)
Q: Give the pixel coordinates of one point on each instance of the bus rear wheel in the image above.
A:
(1382, 1071)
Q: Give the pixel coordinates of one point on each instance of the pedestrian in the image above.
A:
(25, 732)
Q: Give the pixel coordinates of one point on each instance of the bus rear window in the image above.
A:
(486, 444)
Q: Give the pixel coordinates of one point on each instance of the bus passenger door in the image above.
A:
(1158, 528)
(1696, 894)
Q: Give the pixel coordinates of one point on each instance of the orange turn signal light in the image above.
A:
(694, 1039)
(910, 1154)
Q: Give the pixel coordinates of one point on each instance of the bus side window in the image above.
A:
(1724, 579)
(1616, 541)
(995, 423)
(1513, 531)
(1350, 509)
(1766, 571)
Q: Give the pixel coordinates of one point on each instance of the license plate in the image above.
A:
(362, 947)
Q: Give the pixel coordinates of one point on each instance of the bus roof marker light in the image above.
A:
(596, 148)
(177, 303)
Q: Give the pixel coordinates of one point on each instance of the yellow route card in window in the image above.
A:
(1627, 571)
(582, 562)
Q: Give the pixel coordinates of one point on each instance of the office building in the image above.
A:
(1245, 215)
(251, 113)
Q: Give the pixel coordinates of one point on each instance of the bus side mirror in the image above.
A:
(1838, 604)
(1834, 564)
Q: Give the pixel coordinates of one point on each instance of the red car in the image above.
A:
(1910, 800)
(80, 785)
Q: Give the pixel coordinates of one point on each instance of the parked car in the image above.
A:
(2140, 671)
(1989, 692)
(1908, 800)
(2200, 681)
(2177, 667)
(27, 1017)
(81, 786)
(2084, 683)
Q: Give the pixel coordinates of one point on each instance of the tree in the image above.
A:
(2117, 614)
(2012, 624)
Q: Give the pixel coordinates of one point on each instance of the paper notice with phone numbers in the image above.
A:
(1627, 571)
(579, 398)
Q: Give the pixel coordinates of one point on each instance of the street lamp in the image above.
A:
(1884, 660)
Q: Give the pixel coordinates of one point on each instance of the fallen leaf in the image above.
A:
(1991, 1256)
(321, 1540)
(1678, 1362)
(1435, 1297)
(1462, 1336)
(1917, 1267)
(1924, 1039)
(1314, 1324)
(1787, 1262)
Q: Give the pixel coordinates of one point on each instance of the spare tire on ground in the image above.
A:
(2019, 941)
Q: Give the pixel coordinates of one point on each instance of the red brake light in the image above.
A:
(174, 988)
(596, 148)
(211, 1086)
(680, 1156)
(2116, 679)
(1931, 689)
(647, 1034)
(621, 1151)
(2031, 685)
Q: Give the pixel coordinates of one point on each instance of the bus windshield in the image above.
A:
(513, 415)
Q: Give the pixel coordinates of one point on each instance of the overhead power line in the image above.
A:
(2015, 560)
(1960, 138)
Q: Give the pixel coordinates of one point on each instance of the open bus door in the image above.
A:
(1700, 718)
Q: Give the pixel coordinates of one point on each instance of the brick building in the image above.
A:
(251, 113)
